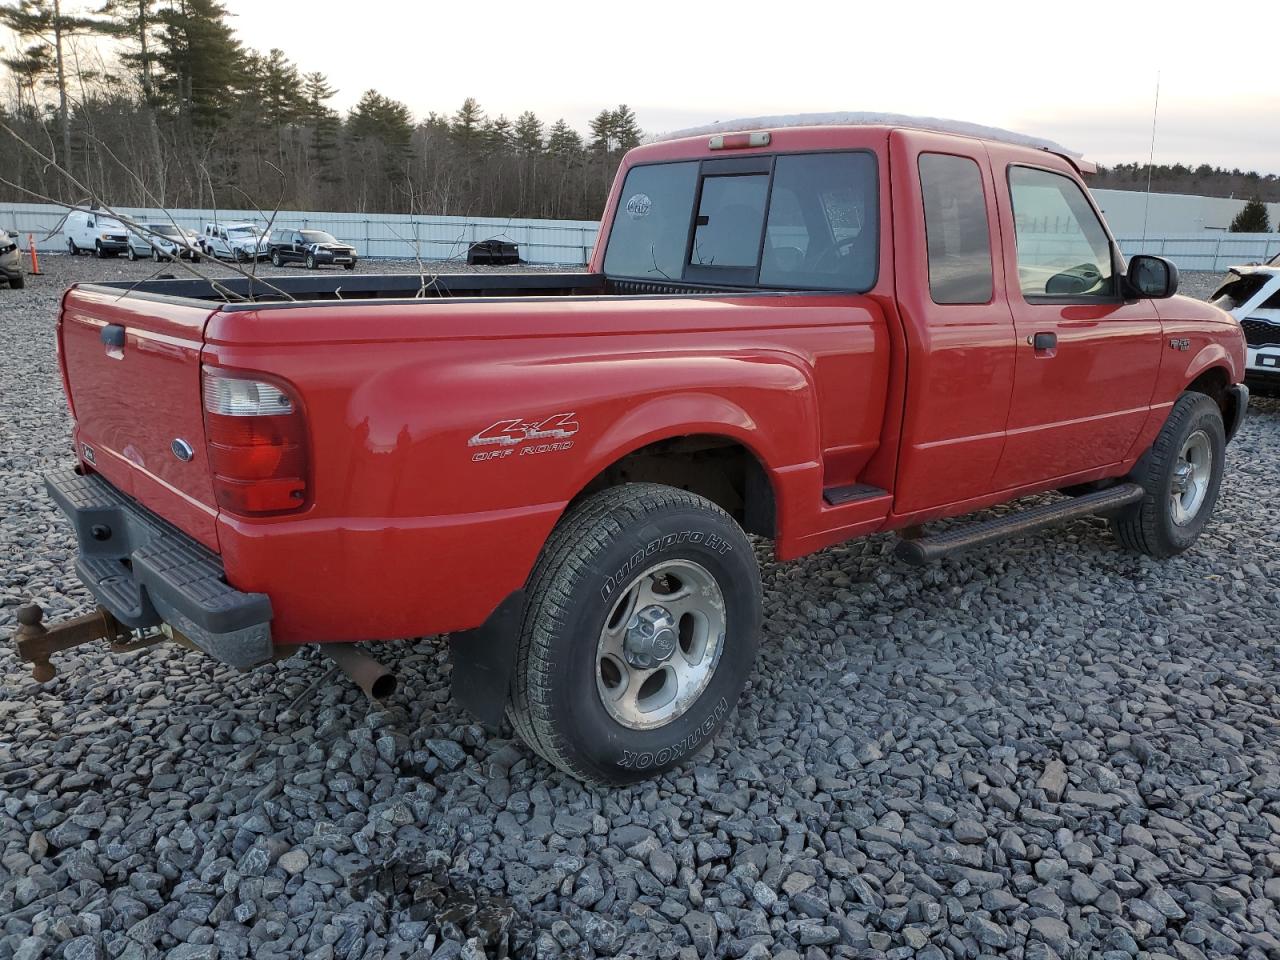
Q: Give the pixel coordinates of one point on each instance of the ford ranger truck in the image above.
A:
(800, 329)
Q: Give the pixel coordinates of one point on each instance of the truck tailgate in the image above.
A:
(133, 373)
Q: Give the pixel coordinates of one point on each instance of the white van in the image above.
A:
(233, 241)
(91, 231)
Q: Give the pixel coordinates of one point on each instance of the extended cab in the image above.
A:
(808, 330)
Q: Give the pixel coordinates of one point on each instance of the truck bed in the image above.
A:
(399, 286)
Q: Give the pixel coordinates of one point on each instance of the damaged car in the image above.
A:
(1252, 296)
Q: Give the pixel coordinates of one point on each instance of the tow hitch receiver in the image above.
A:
(36, 642)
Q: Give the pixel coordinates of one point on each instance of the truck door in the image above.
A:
(1086, 359)
(958, 329)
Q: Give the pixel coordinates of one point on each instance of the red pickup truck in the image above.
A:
(803, 330)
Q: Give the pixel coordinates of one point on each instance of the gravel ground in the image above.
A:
(1055, 749)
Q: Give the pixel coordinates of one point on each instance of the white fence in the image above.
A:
(397, 236)
(1207, 251)
(569, 242)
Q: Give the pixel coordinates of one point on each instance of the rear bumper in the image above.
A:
(147, 572)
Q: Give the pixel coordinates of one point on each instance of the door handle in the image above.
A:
(1043, 341)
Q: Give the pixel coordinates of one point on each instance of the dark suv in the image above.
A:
(312, 247)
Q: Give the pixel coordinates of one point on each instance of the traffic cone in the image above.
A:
(35, 259)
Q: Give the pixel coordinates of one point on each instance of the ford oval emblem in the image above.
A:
(182, 450)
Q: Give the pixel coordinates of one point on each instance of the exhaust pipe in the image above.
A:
(373, 678)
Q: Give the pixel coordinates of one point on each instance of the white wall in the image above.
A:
(373, 235)
(1170, 214)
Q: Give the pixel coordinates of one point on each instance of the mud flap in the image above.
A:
(483, 659)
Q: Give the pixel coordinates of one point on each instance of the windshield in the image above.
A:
(318, 236)
(242, 231)
(164, 229)
(802, 221)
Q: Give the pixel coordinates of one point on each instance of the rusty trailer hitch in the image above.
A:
(36, 643)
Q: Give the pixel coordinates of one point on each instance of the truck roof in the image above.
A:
(870, 119)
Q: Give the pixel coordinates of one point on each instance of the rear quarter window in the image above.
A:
(796, 221)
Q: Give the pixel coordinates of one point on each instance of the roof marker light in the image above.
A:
(738, 141)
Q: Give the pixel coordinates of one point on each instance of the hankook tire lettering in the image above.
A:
(647, 759)
(713, 542)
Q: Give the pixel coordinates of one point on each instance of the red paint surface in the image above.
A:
(409, 530)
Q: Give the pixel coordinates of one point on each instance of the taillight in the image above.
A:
(256, 436)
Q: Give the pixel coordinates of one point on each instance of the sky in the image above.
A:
(1082, 74)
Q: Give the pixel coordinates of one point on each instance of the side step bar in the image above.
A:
(924, 550)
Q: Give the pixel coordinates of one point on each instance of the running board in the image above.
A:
(835, 496)
(920, 551)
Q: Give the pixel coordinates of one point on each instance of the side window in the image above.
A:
(1063, 249)
(730, 218)
(956, 229)
(821, 232)
(651, 227)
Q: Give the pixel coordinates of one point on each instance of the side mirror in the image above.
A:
(1152, 277)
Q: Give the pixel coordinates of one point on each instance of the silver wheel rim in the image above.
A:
(1191, 475)
(660, 644)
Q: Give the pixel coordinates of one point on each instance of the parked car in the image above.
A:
(233, 241)
(808, 329)
(91, 231)
(315, 248)
(1252, 296)
(164, 241)
(11, 261)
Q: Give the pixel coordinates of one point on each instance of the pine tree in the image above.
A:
(28, 68)
(45, 21)
(201, 63)
(563, 142)
(324, 123)
(527, 136)
(381, 118)
(602, 132)
(498, 134)
(626, 130)
(136, 22)
(1252, 218)
(467, 126)
(280, 94)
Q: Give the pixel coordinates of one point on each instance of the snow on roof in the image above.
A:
(863, 119)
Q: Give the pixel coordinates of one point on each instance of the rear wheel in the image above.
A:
(640, 629)
(72, 249)
(1181, 474)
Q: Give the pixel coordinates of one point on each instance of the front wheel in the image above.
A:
(133, 254)
(98, 251)
(640, 629)
(275, 258)
(17, 282)
(311, 261)
(1181, 474)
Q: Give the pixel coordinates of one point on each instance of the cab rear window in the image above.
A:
(799, 221)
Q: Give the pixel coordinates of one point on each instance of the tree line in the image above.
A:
(185, 115)
(182, 114)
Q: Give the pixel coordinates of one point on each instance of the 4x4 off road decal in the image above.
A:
(513, 437)
(645, 760)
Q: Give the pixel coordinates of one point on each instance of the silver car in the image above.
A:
(11, 262)
(163, 241)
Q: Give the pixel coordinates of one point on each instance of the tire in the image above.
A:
(18, 282)
(195, 258)
(1157, 525)
(133, 254)
(596, 568)
(348, 266)
(72, 249)
(311, 261)
(98, 251)
(240, 256)
(275, 258)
